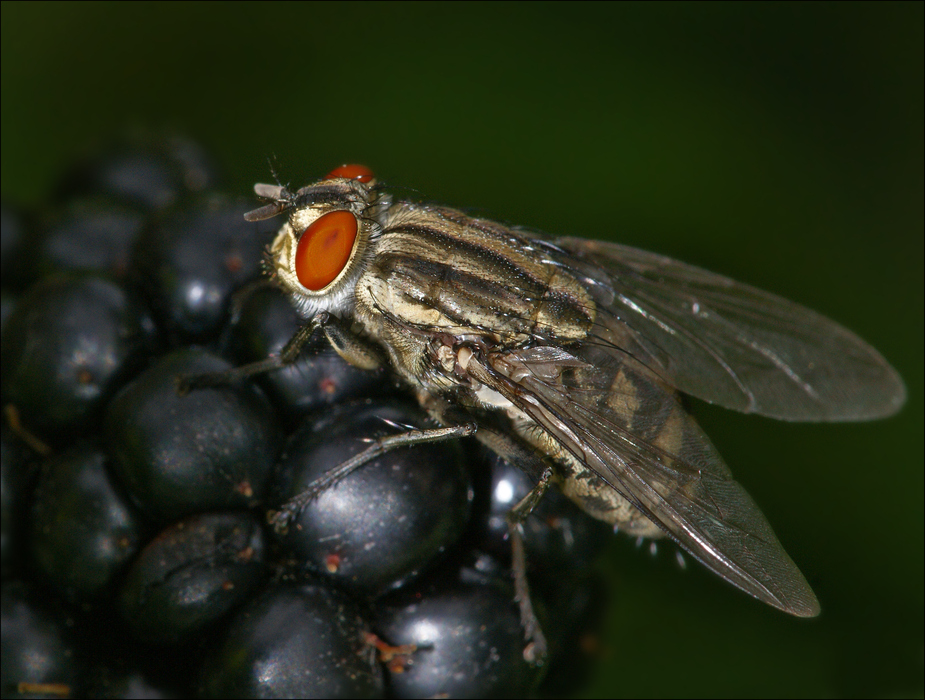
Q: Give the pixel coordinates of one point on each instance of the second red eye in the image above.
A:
(324, 249)
(351, 172)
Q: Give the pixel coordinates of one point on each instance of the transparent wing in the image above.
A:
(630, 429)
(726, 342)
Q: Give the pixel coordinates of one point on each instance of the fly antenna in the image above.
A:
(281, 199)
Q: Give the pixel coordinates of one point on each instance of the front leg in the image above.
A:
(354, 349)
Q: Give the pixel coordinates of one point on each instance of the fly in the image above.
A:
(569, 357)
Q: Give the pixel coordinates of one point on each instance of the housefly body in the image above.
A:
(570, 357)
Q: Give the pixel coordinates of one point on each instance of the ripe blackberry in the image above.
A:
(141, 561)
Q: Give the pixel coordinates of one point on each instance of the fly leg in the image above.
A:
(534, 464)
(348, 345)
(536, 648)
(281, 518)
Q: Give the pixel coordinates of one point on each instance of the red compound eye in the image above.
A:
(351, 172)
(324, 249)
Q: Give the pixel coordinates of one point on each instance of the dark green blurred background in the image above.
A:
(779, 144)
